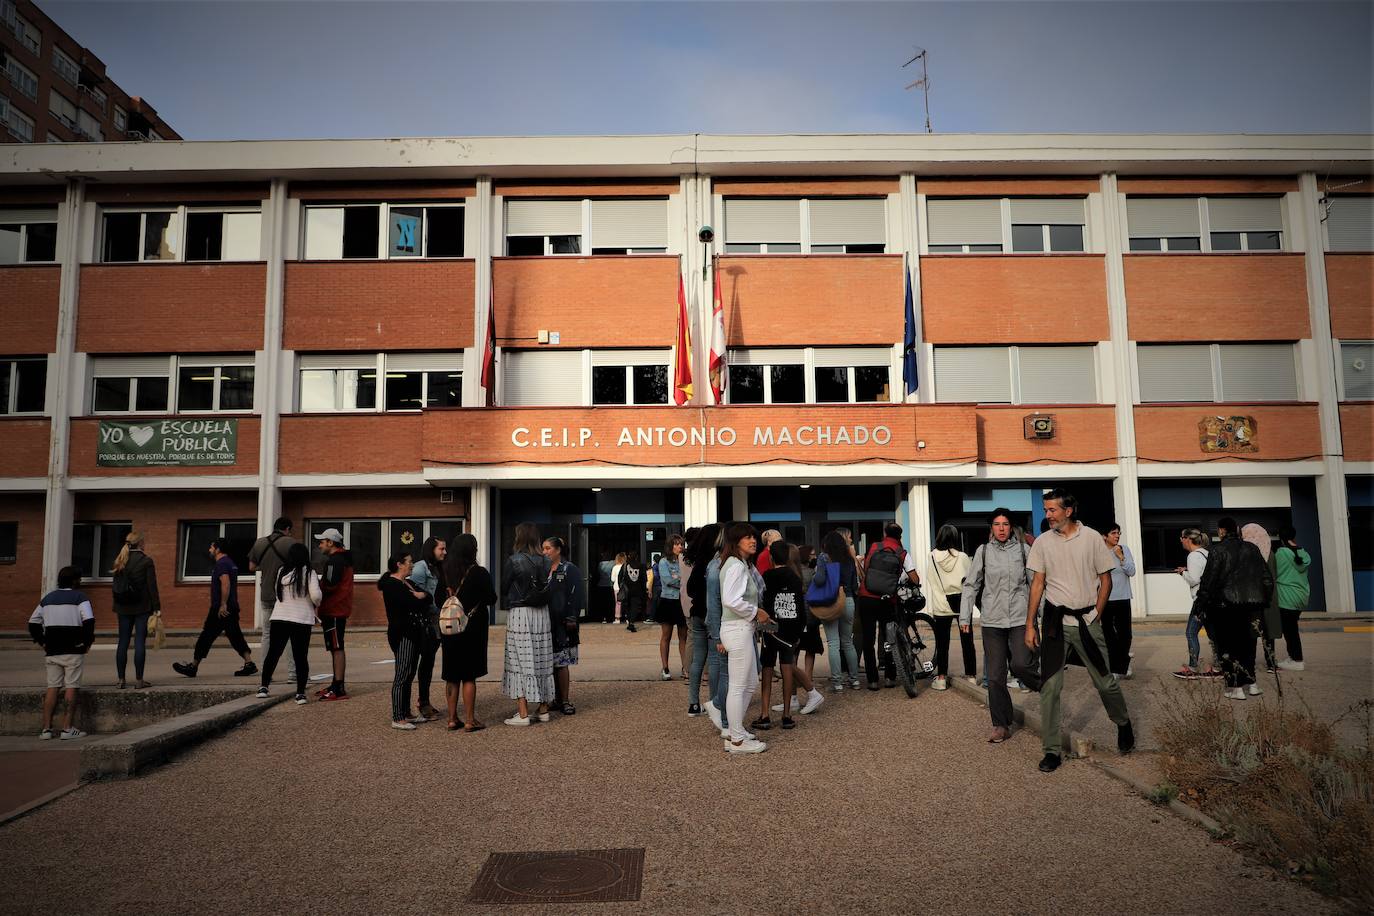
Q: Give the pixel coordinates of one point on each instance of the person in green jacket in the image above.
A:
(1291, 594)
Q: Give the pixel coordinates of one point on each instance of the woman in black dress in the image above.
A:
(465, 654)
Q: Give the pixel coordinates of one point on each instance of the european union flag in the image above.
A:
(909, 338)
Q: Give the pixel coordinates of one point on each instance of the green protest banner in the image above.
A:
(171, 443)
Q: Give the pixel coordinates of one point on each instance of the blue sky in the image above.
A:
(390, 68)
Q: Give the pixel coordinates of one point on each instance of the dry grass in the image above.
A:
(1278, 779)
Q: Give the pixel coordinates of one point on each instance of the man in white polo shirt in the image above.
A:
(1072, 567)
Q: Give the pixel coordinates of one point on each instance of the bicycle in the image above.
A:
(909, 636)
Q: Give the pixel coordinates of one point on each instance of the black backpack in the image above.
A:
(884, 572)
(124, 590)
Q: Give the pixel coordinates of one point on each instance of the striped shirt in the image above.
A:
(63, 623)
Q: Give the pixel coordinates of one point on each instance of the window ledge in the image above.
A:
(464, 259)
(1021, 254)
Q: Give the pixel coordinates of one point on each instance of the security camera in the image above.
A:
(706, 235)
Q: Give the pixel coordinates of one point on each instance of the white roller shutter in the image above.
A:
(1058, 375)
(336, 361)
(1357, 371)
(964, 221)
(130, 366)
(829, 357)
(629, 223)
(543, 217)
(324, 233)
(1173, 372)
(770, 220)
(631, 357)
(836, 221)
(766, 357)
(977, 374)
(425, 362)
(1350, 224)
(1053, 211)
(1244, 214)
(1258, 372)
(1162, 217)
(48, 215)
(542, 378)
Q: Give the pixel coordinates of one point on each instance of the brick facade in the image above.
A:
(21, 585)
(174, 307)
(28, 309)
(349, 444)
(24, 447)
(1357, 432)
(1216, 297)
(1284, 433)
(1085, 435)
(606, 300)
(1350, 292)
(812, 300)
(1014, 299)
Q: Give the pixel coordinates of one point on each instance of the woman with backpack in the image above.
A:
(634, 591)
(135, 596)
(946, 572)
(528, 676)
(293, 618)
(998, 583)
(839, 633)
(465, 653)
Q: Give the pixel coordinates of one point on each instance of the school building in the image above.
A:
(196, 337)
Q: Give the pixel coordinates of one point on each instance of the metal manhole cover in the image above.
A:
(569, 876)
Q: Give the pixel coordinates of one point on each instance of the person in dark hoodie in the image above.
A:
(337, 582)
(1235, 588)
(64, 625)
(407, 624)
(634, 590)
(567, 601)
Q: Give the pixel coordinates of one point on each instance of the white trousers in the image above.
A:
(738, 638)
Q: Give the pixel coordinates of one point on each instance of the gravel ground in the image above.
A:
(325, 809)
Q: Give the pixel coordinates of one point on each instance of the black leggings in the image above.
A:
(876, 613)
(1116, 630)
(429, 647)
(1292, 640)
(298, 634)
(215, 625)
(942, 627)
(137, 626)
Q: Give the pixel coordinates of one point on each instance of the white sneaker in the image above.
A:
(777, 707)
(1015, 683)
(939, 684)
(1236, 694)
(542, 716)
(404, 725)
(666, 675)
(45, 735)
(419, 718)
(518, 719)
(837, 687)
(748, 736)
(854, 684)
(1130, 670)
(713, 714)
(70, 733)
(301, 700)
(747, 746)
(262, 693)
(1289, 665)
(1254, 690)
(813, 701)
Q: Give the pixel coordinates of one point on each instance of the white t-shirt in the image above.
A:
(1072, 565)
(295, 608)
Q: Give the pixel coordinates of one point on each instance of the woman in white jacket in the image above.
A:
(741, 587)
(945, 576)
(293, 618)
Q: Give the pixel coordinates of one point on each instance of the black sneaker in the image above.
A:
(1125, 738)
(694, 710)
(890, 682)
(631, 629)
(184, 669)
(788, 722)
(761, 724)
(247, 669)
(1049, 763)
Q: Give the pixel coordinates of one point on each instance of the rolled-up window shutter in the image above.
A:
(767, 357)
(631, 357)
(1258, 372)
(28, 216)
(964, 221)
(836, 221)
(769, 220)
(977, 374)
(1175, 372)
(543, 217)
(853, 356)
(1244, 214)
(1052, 211)
(1162, 217)
(630, 223)
(336, 361)
(424, 362)
(542, 378)
(1058, 375)
(130, 366)
(1350, 224)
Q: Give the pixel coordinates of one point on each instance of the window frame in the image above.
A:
(24, 236)
(1015, 383)
(10, 560)
(628, 369)
(65, 66)
(180, 214)
(1342, 395)
(21, 77)
(55, 97)
(1205, 230)
(384, 229)
(218, 365)
(175, 363)
(10, 364)
(1007, 225)
(584, 235)
(804, 244)
(881, 357)
(120, 117)
(25, 32)
(97, 538)
(382, 368)
(345, 525)
(183, 545)
(1214, 360)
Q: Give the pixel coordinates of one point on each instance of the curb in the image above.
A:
(36, 803)
(123, 756)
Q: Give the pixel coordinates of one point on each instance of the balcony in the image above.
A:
(24, 446)
(28, 308)
(800, 300)
(1011, 299)
(1217, 297)
(1283, 432)
(85, 435)
(365, 443)
(379, 305)
(600, 301)
(186, 308)
(1350, 290)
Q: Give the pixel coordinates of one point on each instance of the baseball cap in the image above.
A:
(331, 534)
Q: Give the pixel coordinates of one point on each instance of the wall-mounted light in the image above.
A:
(805, 486)
(596, 489)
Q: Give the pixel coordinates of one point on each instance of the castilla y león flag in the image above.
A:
(682, 368)
(716, 366)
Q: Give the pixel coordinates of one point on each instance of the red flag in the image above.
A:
(716, 365)
(682, 370)
(489, 353)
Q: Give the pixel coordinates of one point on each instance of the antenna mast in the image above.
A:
(923, 83)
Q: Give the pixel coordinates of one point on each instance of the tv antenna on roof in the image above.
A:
(923, 83)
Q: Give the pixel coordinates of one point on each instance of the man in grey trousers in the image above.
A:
(267, 557)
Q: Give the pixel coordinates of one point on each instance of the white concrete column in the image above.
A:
(739, 505)
(1333, 508)
(59, 506)
(480, 521)
(698, 505)
(1126, 486)
(482, 209)
(917, 522)
(274, 369)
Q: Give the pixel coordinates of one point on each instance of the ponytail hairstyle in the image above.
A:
(132, 541)
(434, 564)
(297, 566)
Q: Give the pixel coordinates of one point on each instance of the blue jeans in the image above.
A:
(1194, 646)
(719, 674)
(839, 638)
(135, 625)
(696, 627)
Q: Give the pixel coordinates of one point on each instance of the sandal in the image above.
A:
(454, 725)
(569, 709)
(473, 727)
(999, 735)
(120, 685)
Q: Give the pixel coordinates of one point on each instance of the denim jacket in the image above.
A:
(713, 605)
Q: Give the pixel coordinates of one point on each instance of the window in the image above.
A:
(157, 235)
(363, 538)
(24, 79)
(548, 227)
(88, 126)
(130, 385)
(121, 119)
(812, 226)
(19, 124)
(62, 108)
(23, 385)
(982, 225)
(841, 379)
(1357, 371)
(95, 546)
(66, 68)
(1016, 375)
(418, 380)
(28, 236)
(1231, 223)
(413, 231)
(336, 390)
(203, 388)
(1245, 223)
(1208, 373)
(54, 138)
(542, 378)
(25, 31)
(767, 377)
(1350, 224)
(410, 381)
(195, 546)
(630, 377)
(9, 543)
(1047, 224)
(98, 96)
(408, 535)
(629, 226)
(817, 375)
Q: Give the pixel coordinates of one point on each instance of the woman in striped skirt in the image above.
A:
(528, 676)
(407, 619)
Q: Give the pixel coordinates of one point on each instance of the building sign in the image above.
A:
(1228, 435)
(806, 435)
(170, 443)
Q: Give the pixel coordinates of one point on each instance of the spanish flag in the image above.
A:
(682, 368)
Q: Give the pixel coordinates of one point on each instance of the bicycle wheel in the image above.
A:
(921, 632)
(902, 659)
